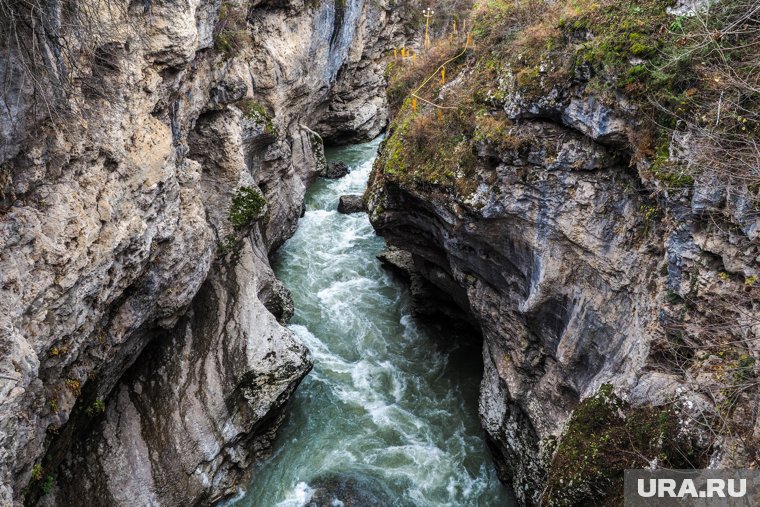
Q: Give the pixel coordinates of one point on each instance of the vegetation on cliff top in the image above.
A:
(690, 75)
(421, 151)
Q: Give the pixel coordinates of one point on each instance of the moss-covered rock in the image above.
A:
(429, 149)
(605, 436)
(256, 113)
(248, 205)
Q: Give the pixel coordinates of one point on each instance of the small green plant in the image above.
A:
(231, 32)
(247, 205)
(651, 214)
(256, 112)
(53, 405)
(677, 24)
(742, 375)
(98, 407)
(47, 486)
(37, 472)
(750, 280)
(650, 211)
(671, 176)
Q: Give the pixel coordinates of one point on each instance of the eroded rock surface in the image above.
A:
(335, 170)
(139, 361)
(351, 204)
(575, 271)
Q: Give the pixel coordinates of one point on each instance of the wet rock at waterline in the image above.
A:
(351, 204)
(280, 303)
(334, 170)
(429, 288)
(350, 490)
(397, 260)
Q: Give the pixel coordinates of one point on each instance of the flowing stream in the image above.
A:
(388, 416)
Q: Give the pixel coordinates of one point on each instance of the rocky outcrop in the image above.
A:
(536, 259)
(226, 369)
(351, 204)
(585, 274)
(432, 302)
(350, 489)
(140, 361)
(335, 170)
(568, 279)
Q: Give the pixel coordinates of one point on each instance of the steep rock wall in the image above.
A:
(549, 261)
(139, 358)
(569, 282)
(585, 272)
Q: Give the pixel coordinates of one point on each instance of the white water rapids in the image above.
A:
(388, 416)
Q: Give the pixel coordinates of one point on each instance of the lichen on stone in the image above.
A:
(257, 113)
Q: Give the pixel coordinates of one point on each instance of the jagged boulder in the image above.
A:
(351, 204)
(399, 261)
(335, 170)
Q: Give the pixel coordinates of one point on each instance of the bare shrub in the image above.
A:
(720, 113)
(48, 50)
(231, 32)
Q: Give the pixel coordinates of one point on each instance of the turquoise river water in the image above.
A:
(389, 415)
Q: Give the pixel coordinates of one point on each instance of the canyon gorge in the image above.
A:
(546, 206)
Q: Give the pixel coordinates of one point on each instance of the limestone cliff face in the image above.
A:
(140, 359)
(567, 279)
(580, 269)
(552, 264)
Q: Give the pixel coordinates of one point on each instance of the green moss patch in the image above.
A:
(605, 436)
(257, 113)
(247, 206)
(661, 72)
(430, 151)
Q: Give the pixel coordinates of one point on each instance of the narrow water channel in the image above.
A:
(388, 416)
